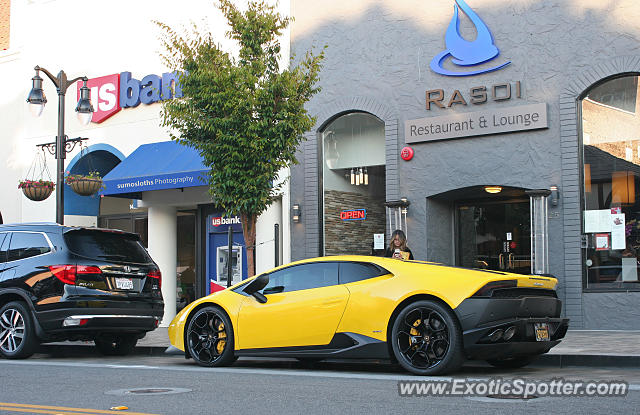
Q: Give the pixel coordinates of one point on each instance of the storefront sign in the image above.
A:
(476, 95)
(220, 223)
(464, 53)
(523, 117)
(158, 182)
(111, 93)
(356, 214)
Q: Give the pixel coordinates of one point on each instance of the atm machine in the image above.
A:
(218, 252)
(223, 261)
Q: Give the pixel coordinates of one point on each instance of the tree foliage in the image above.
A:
(243, 114)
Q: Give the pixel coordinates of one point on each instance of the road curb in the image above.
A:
(588, 360)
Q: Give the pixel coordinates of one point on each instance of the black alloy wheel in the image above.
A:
(17, 336)
(426, 339)
(116, 344)
(512, 362)
(210, 338)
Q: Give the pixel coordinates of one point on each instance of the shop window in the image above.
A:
(186, 260)
(611, 196)
(353, 172)
(618, 93)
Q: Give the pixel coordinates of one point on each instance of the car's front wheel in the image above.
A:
(17, 336)
(209, 338)
(116, 344)
(426, 339)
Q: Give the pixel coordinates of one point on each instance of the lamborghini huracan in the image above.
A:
(426, 316)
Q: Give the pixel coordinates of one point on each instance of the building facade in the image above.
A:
(499, 135)
(153, 186)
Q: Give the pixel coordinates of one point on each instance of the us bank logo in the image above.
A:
(463, 53)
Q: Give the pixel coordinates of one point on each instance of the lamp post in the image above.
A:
(37, 100)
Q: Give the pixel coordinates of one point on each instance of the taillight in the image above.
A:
(157, 275)
(487, 290)
(67, 273)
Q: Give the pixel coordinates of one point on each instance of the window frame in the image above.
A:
(337, 263)
(581, 170)
(380, 269)
(46, 238)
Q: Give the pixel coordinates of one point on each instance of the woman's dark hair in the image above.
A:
(403, 240)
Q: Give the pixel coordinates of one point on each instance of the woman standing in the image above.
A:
(398, 246)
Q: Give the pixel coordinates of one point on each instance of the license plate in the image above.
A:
(542, 332)
(124, 283)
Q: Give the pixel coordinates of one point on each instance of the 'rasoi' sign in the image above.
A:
(356, 214)
(111, 93)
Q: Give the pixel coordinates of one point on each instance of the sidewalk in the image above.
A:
(595, 348)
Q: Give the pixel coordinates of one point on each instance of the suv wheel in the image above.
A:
(116, 344)
(17, 337)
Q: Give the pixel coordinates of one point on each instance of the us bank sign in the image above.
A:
(464, 54)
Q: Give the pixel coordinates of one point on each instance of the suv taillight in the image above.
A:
(157, 275)
(67, 273)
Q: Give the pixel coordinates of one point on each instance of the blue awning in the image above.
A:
(156, 166)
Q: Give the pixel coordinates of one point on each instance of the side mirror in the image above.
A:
(255, 286)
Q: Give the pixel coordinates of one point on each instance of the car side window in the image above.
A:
(25, 245)
(4, 246)
(358, 271)
(302, 277)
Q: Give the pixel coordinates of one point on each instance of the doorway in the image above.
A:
(494, 235)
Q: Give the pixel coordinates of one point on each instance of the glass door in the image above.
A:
(494, 235)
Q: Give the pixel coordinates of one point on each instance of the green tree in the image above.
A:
(243, 114)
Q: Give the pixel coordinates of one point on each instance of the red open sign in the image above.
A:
(356, 214)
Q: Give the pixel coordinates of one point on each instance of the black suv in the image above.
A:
(75, 283)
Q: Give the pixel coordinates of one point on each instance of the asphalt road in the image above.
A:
(92, 384)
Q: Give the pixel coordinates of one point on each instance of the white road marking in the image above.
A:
(266, 372)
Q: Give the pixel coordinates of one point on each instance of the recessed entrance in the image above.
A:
(494, 235)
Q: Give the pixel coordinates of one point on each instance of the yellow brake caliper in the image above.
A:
(414, 331)
(222, 335)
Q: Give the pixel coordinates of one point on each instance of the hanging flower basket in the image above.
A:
(36, 190)
(85, 185)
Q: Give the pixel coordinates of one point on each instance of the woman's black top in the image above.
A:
(389, 253)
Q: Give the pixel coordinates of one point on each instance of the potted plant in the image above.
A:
(85, 184)
(36, 190)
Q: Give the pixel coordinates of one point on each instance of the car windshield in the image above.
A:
(110, 246)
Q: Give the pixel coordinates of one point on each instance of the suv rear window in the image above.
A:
(107, 246)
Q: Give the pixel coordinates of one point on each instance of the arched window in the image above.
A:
(353, 166)
(611, 196)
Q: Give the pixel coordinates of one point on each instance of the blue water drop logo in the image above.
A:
(463, 52)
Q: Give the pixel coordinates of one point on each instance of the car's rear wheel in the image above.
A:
(426, 339)
(17, 337)
(116, 344)
(513, 362)
(210, 338)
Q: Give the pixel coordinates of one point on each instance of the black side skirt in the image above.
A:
(342, 346)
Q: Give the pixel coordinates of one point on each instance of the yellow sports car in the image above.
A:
(426, 316)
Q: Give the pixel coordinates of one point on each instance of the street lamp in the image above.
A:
(84, 110)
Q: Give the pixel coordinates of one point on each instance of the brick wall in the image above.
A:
(351, 236)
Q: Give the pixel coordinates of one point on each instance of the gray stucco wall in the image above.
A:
(377, 61)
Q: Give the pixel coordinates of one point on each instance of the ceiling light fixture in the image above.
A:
(493, 189)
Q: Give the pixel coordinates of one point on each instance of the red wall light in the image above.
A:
(406, 153)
